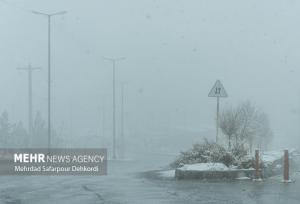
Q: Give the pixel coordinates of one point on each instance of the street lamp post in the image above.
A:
(122, 121)
(114, 60)
(29, 70)
(49, 67)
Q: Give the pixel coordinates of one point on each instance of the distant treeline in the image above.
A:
(15, 135)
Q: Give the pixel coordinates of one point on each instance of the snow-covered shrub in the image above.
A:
(208, 152)
(245, 162)
(239, 152)
(205, 153)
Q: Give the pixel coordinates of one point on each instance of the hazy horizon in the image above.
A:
(174, 54)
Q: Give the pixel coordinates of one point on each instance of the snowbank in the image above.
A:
(211, 171)
(205, 167)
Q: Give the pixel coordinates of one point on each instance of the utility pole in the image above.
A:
(298, 111)
(103, 117)
(29, 70)
(113, 61)
(48, 16)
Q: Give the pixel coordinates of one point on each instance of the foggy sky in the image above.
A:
(175, 51)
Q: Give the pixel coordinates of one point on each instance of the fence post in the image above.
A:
(256, 166)
(286, 167)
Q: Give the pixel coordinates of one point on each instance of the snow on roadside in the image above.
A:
(243, 178)
(195, 167)
(167, 173)
(205, 167)
(268, 157)
(271, 156)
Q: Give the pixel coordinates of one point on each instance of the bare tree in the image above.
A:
(264, 133)
(230, 124)
(248, 124)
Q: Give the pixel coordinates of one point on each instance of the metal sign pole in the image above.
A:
(218, 91)
(217, 122)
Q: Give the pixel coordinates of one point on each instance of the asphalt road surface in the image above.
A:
(127, 185)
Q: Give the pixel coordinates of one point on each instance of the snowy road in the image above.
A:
(125, 185)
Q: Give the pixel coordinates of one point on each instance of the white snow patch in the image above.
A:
(205, 167)
(243, 178)
(167, 173)
(233, 167)
(271, 156)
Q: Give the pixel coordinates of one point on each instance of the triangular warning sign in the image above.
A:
(218, 90)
